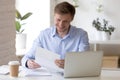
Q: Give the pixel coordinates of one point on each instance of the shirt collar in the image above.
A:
(70, 31)
(54, 33)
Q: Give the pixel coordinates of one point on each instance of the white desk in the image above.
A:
(105, 75)
(108, 42)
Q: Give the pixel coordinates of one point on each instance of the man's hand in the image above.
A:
(59, 63)
(32, 64)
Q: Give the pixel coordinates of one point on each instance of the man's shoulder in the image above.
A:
(77, 29)
(49, 29)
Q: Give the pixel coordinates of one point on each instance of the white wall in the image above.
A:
(86, 13)
(39, 20)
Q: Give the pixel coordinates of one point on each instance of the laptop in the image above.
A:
(83, 64)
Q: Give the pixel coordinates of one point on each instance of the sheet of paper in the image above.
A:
(4, 69)
(36, 72)
(47, 59)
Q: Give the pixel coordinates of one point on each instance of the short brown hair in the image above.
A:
(65, 8)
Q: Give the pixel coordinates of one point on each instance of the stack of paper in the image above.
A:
(36, 72)
(4, 69)
(47, 59)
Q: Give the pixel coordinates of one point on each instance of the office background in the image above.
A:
(86, 13)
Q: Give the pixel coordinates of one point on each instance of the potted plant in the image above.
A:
(19, 19)
(20, 36)
(75, 3)
(103, 27)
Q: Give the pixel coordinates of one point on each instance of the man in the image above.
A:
(61, 38)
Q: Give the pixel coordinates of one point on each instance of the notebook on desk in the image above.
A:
(83, 64)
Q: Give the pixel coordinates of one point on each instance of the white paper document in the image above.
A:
(4, 69)
(47, 59)
(36, 72)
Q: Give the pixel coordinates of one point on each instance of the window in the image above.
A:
(39, 20)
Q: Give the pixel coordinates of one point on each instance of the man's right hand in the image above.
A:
(32, 64)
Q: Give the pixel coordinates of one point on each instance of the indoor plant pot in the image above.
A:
(103, 28)
(20, 36)
(21, 41)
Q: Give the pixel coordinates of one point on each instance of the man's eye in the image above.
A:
(58, 20)
(65, 21)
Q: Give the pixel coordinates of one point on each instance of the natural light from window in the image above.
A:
(39, 20)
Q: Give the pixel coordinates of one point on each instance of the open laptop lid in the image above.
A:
(82, 64)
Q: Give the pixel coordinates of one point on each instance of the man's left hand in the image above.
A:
(59, 63)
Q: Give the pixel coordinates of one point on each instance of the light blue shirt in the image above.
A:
(75, 41)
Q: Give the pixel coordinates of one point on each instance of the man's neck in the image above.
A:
(62, 34)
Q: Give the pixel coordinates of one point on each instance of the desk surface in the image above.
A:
(106, 74)
(106, 42)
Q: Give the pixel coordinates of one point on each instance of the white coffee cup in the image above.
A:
(14, 68)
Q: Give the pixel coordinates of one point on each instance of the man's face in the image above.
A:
(62, 22)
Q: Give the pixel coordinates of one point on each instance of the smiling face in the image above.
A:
(62, 22)
(63, 14)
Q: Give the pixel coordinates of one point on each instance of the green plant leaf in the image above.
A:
(18, 26)
(19, 19)
(21, 31)
(26, 16)
(18, 15)
(103, 26)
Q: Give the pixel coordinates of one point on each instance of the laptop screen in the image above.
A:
(82, 64)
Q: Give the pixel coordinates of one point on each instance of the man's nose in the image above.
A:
(61, 23)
